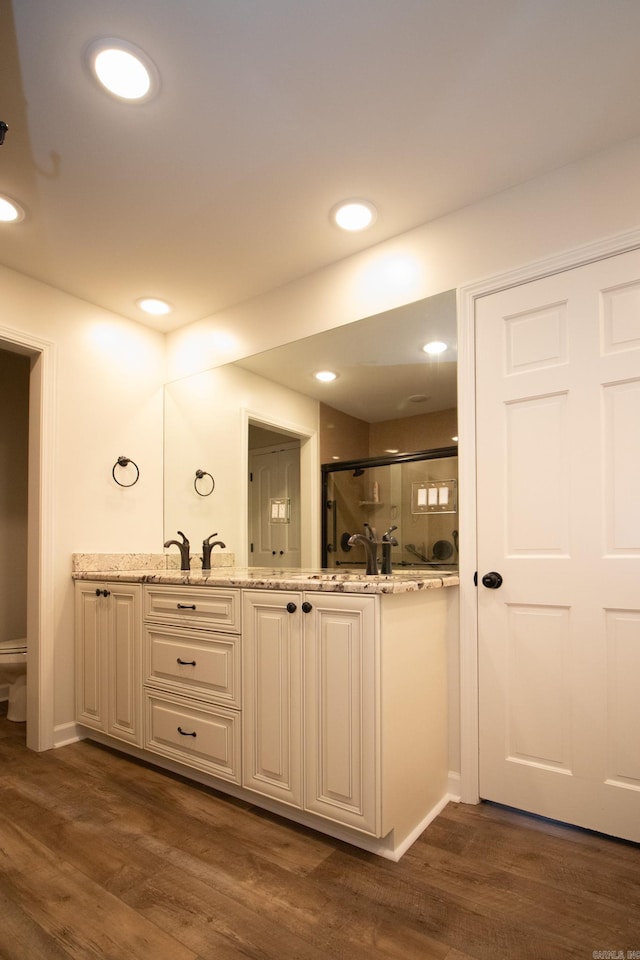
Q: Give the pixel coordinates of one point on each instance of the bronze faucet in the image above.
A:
(207, 548)
(370, 544)
(185, 562)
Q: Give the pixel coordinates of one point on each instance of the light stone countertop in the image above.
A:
(402, 581)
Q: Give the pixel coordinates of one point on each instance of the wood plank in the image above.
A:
(104, 857)
(82, 918)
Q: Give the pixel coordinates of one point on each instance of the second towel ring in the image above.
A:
(124, 462)
(199, 475)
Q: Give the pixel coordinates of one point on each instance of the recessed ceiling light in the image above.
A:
(434, 348)
(325, 376)
(158, 308)
(354, 215)
(392, 450)
(10, 211)
(455, 439)
(123, 69)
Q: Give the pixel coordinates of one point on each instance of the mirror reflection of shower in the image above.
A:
(415, 494)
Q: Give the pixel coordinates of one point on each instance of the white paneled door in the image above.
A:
(558, 454)
(274, 507)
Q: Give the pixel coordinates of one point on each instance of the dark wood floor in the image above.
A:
(102, 857)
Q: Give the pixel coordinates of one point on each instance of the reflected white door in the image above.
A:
(558, 409)
(274, 507)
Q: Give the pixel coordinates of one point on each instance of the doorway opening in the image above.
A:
(283, 494)
(274, 499)
(36, 532)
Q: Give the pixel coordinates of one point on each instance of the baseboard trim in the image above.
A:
(453, 786)
(409, 840)
(65, 733)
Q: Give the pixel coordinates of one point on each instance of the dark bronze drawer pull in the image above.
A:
(186, 606)
(183, 733)
(186, 663)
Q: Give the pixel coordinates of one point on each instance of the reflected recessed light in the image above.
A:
(455, 439)
(392, 450)
(434, 348)
(354, 215)
(157, 308)
(326, 376)
(123, 69)
(10, 211)
(418, 398)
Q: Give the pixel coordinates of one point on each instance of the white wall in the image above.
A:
(206, 428)
(108, 402)
(574, 205)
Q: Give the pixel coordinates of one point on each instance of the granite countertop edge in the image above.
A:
(319, 580)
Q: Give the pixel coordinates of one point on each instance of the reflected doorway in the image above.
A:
(274, 499)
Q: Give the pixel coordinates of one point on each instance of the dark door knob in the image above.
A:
(291, 607)
(306, 607)
(492, 580)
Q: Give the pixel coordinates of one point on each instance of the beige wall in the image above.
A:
(108, 375)
(206, 427)
(343, 437)
(425, 431)
(14, 436)
(575, 205)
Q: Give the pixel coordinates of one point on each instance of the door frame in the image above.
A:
(40, 522)
(467, 504)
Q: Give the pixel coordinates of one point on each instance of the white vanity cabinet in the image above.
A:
(342, 709)
(108, 658)
(328, 706)
(272, 694)
(192, 664)
(310, 697)
(344, 700)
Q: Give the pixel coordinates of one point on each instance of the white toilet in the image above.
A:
(13, 671)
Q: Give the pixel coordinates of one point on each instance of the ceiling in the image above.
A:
(271, 111)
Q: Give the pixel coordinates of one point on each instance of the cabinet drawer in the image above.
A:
(201, 607)
(205, 738)
(196, 664)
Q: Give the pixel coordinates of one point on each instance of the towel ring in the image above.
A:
(124, 462)
(199, 475)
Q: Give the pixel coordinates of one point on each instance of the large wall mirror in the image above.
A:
(260, 428)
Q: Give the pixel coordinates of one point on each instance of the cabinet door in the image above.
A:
(124, 662)
(272, 688)
(91, 655)
(342, 710)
